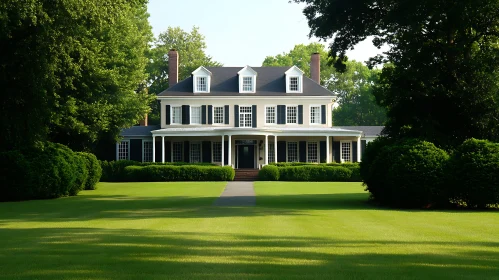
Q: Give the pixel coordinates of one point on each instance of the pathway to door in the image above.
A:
(237, 194)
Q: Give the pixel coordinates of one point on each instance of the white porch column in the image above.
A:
(230, 151)
(163, 149)
(327, 149)
(153, 148)
(266, 150)
(275, 148)
(358, 149)
(223, 150)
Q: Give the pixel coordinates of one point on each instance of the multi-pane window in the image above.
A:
(315, 115)
(217, 151)
(247, 83)
(147, 152)
(293, 84)
(270, 115)
(195, 115)
(245, 117)
(291, 114)
(195, 152)
(218, 115)
(312, 154)
(177, 115)
(123, 150)
(346, 151)
(271, 155)
(201, 84)
(292, 151)
(177, 149)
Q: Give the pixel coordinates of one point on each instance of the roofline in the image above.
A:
(314, 97)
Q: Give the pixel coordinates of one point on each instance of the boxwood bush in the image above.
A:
(161, 173)
(94, 170)
(473, 173)
(269, 173)
(317, 173)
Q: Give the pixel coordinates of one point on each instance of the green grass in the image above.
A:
(296, 231)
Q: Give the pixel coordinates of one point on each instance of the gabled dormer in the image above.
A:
(247, 80)
(201, 80)
(294, 80)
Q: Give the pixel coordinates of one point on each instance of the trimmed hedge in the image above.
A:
(318, 173)
(269, 173)
(94, 170)
(353, 167)
(161, 173)
(473, 173)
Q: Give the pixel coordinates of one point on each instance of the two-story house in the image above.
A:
(245, 117)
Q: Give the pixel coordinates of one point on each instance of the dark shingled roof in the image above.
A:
(368, 130)
(270, 81)
(139, 130)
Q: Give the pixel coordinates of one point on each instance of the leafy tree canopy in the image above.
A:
(442, 85)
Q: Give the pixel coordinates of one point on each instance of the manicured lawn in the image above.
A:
(296, 231)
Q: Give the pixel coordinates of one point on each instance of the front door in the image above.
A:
(246, 156)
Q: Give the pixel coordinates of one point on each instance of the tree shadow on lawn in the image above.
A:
(92, 253)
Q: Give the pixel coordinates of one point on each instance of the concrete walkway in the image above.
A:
(237, 194)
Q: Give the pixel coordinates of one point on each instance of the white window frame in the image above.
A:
(341, 150)
(296, 121)
(223, 115)
(310, 114)
(213, 151)
(181, 151)
(299, 84)
(207, 83)
(118, 150)
(253, 84)
(317, 150)
(171, 114)
(144, 151)
(200, 115)
(297, 151)
(275, 114)
(200, 152)
(246, 113)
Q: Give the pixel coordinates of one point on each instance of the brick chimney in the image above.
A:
(172, 67)
(143, 122)
(315, 67)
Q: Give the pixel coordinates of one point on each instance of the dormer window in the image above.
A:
(247, 80)
(294, 80)
(201, 80)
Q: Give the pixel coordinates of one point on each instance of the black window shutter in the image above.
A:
(363, 145)
(226, 152)
(168, 154)
(253, 115)
(281, 114)
(323, 114)
(354, 151)
(167, 114)
(300, 114)
(206, 151)
(281, 151)
(322, 151)
(136, 149)
(203, 114)
(236, 115)
(302, 151)
(336, 151)
(210, 114)
(186, 113)
(226, 114)
(187, 154)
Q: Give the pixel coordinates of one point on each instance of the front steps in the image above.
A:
(246, 175)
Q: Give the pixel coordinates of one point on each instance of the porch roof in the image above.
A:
(279, 131)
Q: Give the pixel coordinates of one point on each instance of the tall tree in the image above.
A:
(71, 72)
(353, 87)
(191, 47)
(443, 84)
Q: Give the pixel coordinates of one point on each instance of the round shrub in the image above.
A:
(94, 170)
(474, 173)
(408, 174)
(269, 173)
(14, 180)
(81, 174)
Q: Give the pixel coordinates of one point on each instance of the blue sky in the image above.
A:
(240, 33)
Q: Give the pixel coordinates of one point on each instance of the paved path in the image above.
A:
(237, 194)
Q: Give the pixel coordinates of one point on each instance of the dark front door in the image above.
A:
(246, 156)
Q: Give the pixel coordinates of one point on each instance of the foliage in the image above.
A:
(69, 70)
(318, 173)
(81, 174)
(353, 167)
(408, 174)
(191, 48)
(161, 173)
(94, 170)
(443, 54)
(473, 174)
(269, 173)
(14, 180)
(371, 153)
